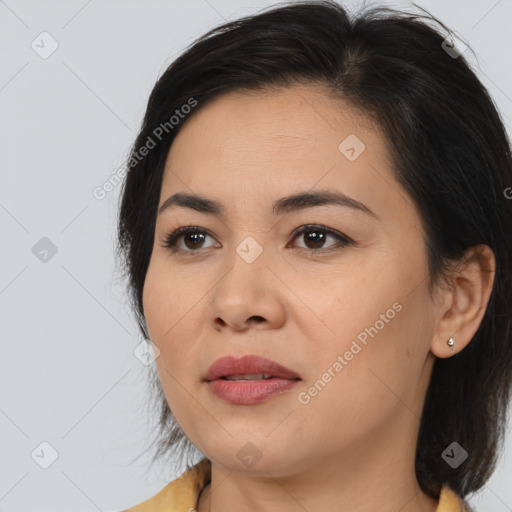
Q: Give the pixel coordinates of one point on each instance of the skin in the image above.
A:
(301, 303)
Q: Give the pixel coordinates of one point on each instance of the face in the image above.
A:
(335, 291)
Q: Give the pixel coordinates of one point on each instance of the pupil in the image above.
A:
(317, 243)
(195, 237)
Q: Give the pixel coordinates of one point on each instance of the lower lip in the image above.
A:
(250, 391)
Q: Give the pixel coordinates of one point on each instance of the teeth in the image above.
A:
(248, 376)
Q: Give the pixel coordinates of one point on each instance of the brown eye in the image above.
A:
(193, 239)
(315, 237)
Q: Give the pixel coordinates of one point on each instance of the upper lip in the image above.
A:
(231, 365)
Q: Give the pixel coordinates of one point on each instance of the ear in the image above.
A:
(462, 304)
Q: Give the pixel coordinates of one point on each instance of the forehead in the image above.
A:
(294, 117)
(271, 143)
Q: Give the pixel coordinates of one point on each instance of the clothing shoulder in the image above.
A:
(181, 494)
(449, 501)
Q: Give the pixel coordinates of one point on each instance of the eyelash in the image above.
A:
(171, 240)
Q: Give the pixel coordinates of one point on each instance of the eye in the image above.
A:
(193, 237)
(317, 235)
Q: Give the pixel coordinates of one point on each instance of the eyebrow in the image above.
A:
(281, 206)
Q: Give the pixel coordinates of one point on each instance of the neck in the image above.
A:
(375, 474)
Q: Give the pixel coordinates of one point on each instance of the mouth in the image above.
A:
(249, 376)
(249, 380)
(248, 368)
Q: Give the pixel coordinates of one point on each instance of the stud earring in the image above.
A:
(451, 343)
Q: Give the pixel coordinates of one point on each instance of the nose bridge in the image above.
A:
(250, 250)
(248, 263)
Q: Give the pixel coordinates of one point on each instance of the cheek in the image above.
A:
(168, 307)
(373, 344)
(151, 301)
(356, 388)
(175, 359)
(167, 301)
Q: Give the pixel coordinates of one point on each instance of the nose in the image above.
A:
(248, 295)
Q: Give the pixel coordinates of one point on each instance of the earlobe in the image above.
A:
(447, 349)
(465, 302)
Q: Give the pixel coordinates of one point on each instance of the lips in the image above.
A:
(248, 364)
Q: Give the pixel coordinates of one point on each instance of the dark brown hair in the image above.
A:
(451, 154)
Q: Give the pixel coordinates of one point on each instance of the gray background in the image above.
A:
(68, 373)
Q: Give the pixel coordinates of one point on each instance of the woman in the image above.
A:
(317, 237)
